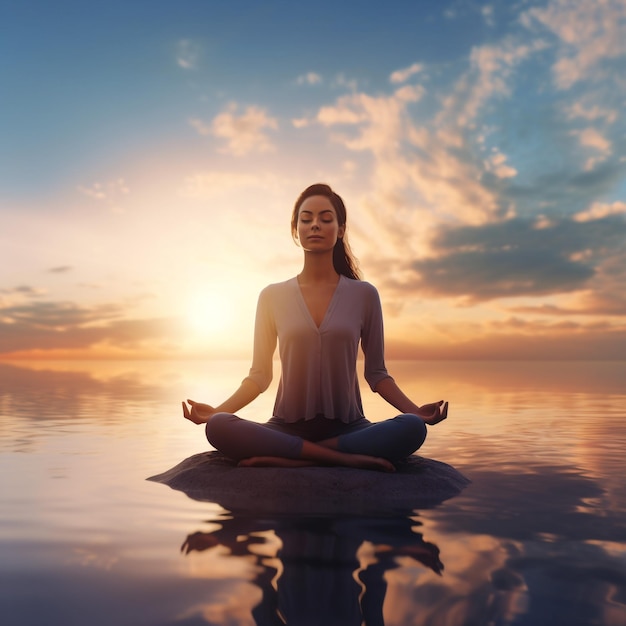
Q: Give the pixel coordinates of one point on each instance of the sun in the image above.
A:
(208, 315)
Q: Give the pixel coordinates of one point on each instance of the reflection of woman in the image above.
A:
(318, 318)
(322, 579)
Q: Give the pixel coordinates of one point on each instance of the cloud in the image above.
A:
(599, 210)
(110, 193)
(61, 269)
(591, 112)
(535, 343)
(187, 54)
(433, 168)
(497, 164)
(423, 168)
(589, 304)
(45, 325)
(589, 34)
(591, 138)
(15, 296)
(58, 315)
(343, 82)
(597, 143)
(242, 134)
(485, 187)
(201, 127)
(488, 150)
(517, 257)
(490, 73)
(382, 117)
(22, 290)
(96, 191)
(401, 76)
(488, 14)
(217, 183)
(310, 78)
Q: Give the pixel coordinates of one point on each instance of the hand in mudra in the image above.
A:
(434, 412)
(197, 412)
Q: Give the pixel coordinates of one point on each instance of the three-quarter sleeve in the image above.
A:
(372, 340)
(265, 337)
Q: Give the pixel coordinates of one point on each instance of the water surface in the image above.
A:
(539, 537)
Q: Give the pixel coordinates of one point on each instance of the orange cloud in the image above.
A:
(242, 134)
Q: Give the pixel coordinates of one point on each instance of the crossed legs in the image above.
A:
(374, 446)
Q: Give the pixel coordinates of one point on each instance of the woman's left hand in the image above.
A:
(434, 412)
(199, 413)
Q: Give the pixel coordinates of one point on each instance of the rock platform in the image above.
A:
(418, 483)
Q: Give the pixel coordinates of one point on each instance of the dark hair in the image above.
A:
(343, 259)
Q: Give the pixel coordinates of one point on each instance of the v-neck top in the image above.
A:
(318, 364)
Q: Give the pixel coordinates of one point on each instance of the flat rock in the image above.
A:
(418, 483)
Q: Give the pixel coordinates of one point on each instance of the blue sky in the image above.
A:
(150, 153)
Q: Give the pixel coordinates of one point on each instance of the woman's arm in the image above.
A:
(376, 373)
(260, 376)
(200, 413)
(432, 413)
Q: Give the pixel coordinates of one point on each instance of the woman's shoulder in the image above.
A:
(279, 289)
(359, 287)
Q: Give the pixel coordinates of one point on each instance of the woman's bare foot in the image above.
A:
(362, 461)
(358, 461)
(274, 461)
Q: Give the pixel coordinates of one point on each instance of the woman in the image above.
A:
(318, 318)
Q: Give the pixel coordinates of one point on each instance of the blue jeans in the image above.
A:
(393, 439)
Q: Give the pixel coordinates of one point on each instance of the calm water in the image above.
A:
(539, 537)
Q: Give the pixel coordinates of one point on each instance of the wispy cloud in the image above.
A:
(310, 78)
(111, 193)
(213, 183)
(401, 76)
(589, 34)
(22, 290)
(61, 269)
(496, 163)
(187, 54)
(242, 133)
(11, 297)
(488, 14)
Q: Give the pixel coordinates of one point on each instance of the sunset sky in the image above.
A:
(151, 152)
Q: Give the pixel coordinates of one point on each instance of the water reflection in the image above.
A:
(36, 403)
(520, 548)
(538, 538)
(326, 570)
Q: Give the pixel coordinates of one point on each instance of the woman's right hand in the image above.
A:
(197, 412)
(433, 413)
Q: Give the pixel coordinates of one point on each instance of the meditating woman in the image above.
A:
(318, 318)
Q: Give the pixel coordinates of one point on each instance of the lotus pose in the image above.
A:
(318, 319)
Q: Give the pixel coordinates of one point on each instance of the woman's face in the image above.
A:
(318, 228)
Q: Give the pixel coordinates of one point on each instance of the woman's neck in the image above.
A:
(318, 269)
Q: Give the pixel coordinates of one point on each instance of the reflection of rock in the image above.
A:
(211, 477)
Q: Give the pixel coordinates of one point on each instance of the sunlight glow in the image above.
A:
(208, 315)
